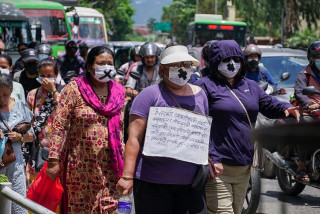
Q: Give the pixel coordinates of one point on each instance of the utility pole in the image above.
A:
(283, 20)
(216, 7)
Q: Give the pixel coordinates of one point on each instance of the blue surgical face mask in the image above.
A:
(43, 56)
(317, 63)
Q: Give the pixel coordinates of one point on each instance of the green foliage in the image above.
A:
(3, 178)
(179, 13)
(150, 24)
(303, 39)
(264, 16)
(117, 13)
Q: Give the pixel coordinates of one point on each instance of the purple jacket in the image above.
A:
(230, 141)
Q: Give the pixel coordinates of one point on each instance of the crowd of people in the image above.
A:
(94, 121)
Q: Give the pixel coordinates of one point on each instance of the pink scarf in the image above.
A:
(112, 110)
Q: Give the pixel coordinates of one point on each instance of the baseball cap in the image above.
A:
(177, 53)
(30, 54)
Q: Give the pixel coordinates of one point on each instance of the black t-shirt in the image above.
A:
(28, 83)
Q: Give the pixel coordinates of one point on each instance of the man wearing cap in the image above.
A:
(27, 77)
(83, 50)
(18, 65)
(167, 182)
(148, 70)
(71, 64)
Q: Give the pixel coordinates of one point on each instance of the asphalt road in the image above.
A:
(274, 201)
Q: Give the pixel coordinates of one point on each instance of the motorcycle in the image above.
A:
(252, 199)
(287, 138)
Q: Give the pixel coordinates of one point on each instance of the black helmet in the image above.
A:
(134, 51)
(83, 44)
(205, 51)
(71, 44)
(148, 49)
(313, 51)
(44, 48)
(252, 49)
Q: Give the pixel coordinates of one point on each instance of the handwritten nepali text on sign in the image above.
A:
(177, 133)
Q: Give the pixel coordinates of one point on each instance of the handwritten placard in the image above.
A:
(178, 134)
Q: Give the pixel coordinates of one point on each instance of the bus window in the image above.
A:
(53, 23)
(14, 32)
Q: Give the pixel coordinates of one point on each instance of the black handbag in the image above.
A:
(42, 157)
(201, 177)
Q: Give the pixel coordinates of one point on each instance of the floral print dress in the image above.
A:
(85, 165)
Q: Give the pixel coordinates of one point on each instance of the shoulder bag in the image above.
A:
(42, 153)
(203, 171)
(8, 155)
(257, 155)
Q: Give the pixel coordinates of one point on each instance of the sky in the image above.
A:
(146, 9)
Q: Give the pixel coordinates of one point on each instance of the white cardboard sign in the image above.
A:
(177, 133)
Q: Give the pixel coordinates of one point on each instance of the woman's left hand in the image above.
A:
(293, 111)
(48, 85)
(14, 136)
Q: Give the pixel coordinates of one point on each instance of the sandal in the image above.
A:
(302, 175)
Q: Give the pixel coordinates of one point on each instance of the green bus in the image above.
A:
(52, 20)
(14, 28)
(207, 27)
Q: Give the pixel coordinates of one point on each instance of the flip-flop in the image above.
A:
(302, 175)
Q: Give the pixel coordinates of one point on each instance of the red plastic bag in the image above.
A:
(44, 191)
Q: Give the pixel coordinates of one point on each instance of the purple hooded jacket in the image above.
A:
(230, 141)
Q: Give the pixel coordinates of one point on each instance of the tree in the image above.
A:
(150, 24)
(179, 13)
(117, 13)
(261, 14)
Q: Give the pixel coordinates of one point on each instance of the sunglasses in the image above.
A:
(178, 65)
(235, 59)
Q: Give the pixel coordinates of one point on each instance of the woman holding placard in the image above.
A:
(163, 183)
(234, 105)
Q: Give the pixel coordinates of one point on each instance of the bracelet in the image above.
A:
(21, 138)
(52, 93)
(127, 177)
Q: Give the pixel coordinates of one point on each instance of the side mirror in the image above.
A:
(135, 75)
(36, 32)
(285, 76)
(76, 19)
(310, 90)
(121, 72)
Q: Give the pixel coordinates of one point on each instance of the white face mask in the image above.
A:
(40, 79)
(4, 71)
(104, 73)
(179, 76)
(229, 69)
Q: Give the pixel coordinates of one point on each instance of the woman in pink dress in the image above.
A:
(90, 160)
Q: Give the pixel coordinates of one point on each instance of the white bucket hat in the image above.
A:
(177, 53)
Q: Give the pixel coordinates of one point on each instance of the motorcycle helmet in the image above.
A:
(205, 51)
(149, 49)
(249, 50)
(44, 50)
(252, 49)
(313, 51)
(71, 44)
(134, 51)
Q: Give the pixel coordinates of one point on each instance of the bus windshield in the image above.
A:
(53, 23)
(90, 31)
(219, 32)
(14, 32)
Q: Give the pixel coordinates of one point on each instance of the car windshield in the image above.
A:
(280, 64)
(53, 23)
(13, 33)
